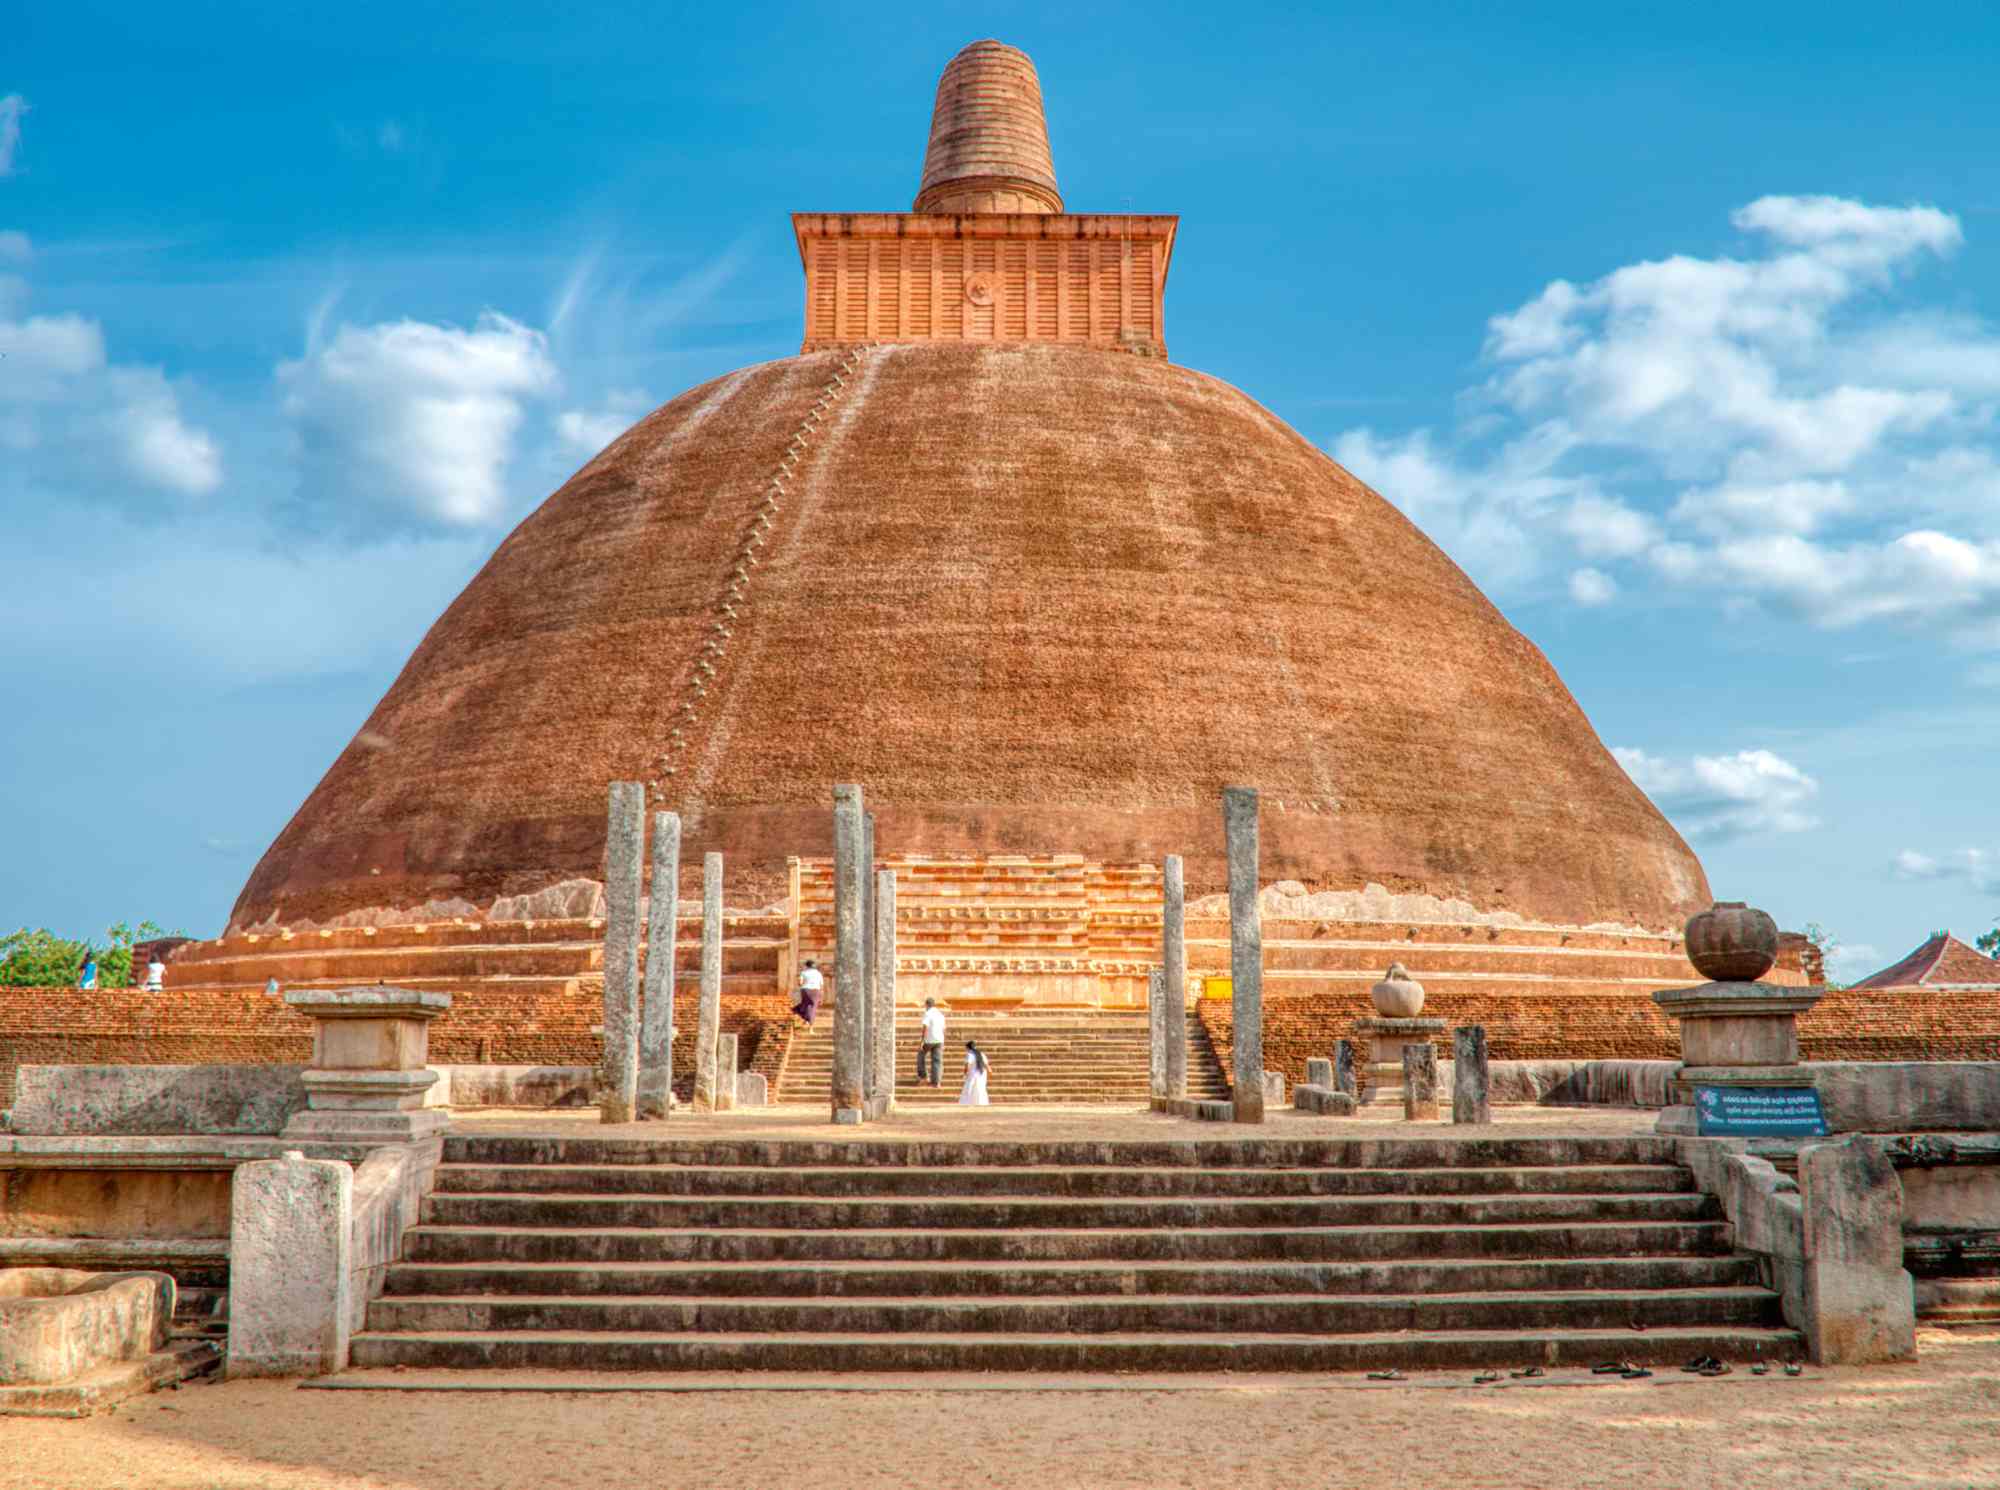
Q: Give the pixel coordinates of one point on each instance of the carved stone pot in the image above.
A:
(1398, 996)
(1732, 943)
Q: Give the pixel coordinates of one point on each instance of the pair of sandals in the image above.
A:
(1707, 1365)
(1626, 1369)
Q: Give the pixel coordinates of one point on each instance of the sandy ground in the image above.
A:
(1927, 1426)
(1046, 1122)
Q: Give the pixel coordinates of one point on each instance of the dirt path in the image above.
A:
(1934, 1425)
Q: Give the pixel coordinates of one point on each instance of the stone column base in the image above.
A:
(1380, 1077)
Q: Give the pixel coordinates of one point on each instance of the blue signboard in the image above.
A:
(1759, 1112)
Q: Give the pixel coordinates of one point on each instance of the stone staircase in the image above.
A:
(1070, 1056)
(1230, 1254)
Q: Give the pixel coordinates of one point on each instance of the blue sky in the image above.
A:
(1676, 326)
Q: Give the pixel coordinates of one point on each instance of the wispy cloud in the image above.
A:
(12, 107)
(1759, 424)
(1976, 867)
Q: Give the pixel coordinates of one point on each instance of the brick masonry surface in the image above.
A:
(1903, 1024)
(125, 1026)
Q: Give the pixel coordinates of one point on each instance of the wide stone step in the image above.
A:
(1094, 1353)
(1071, 1181)
(1194, 1313)
(434, 1243)
(989, 1279)
(1193, 1153)
(844, 1213)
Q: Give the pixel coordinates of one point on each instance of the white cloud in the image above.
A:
(587, 431)
(73, 418)
(1592, 587)
(1845, 963)
(12, 107)
(1758, 423)
(1725, 796)
(1976, 867)
(412, 421)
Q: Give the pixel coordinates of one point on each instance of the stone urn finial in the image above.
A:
(1732, 942)
(1398, 995)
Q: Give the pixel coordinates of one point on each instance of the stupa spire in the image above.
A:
(989, 145)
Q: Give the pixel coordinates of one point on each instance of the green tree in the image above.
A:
(1990, 943)
(1829, 947)
(41, 959)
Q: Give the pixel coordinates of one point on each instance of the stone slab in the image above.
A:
(725, 1071)
(517, 1086)
(1909, 1096)
(1308, 1097)
(1420, 1083)
(57, 1324)
(753, 1089)
(106, 1386)
(1471, 1080)
(1202, 1109)
(54, 1101)
(289, 1284)
(1319, 1072)
(1860, 1301)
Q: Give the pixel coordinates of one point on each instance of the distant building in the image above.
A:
(1943, 962)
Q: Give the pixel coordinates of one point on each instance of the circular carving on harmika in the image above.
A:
(979, 288)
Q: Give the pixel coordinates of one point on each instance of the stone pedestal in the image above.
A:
(1380, 1078)
(370, 1066)
(1734, 1034)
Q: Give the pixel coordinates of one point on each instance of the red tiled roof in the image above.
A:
(1943, 961)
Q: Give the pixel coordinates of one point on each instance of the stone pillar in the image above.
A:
(1343, 1067)
(656, 1015)
(1420, 1083)
(869, 1090)
(624, 865)
(848, 959)
(708, 1018)
(1471, 1085)
(290, 1233)
(1859, 1301)
(1157, 1077)
(1173, 956)
(370, 1065)
(1319, 1072)
(1246, 952)
(883, 1020)
(725, 1072)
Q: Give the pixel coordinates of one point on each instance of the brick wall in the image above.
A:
(486, 1024)
(1909, 1024)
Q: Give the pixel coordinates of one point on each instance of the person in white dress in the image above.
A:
(973, 1093)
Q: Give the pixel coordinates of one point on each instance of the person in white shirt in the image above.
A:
(932, 1048)
(156, 975)
(811, 983)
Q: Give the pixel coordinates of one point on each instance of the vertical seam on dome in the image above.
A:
(731, 609)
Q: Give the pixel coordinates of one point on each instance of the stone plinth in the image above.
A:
(1319, 1072)
(1734, 1034)
(370, 1067)
(1380, 1078)
(290, 1243)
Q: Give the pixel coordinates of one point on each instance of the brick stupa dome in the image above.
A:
(1036, 593)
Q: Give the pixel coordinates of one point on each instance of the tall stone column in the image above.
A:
(1173, 957)
(708, 1020)
(1157, 1067)
(869, 1089)
(1246, 952)
(849, 960)
(624, 868)
(883, 1022)
(656, 1016)
(1471, 1086)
